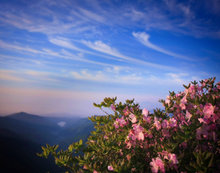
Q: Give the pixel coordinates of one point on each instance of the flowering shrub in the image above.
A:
(135, 140)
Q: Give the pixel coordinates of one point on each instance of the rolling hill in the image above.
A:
(19, 155)
(23, 134)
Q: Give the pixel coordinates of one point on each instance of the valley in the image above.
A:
(23, 134)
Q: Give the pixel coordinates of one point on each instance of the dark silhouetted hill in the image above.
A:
(18, 155)
(24, 134)
(42, 131)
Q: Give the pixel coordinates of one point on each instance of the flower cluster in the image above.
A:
(185, 137)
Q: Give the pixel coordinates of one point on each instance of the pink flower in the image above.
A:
(95, 171)
(140, 136)
(110, 168)
(157, 123)
(192, 89)
(173, 122)
(184, 144)
(154, 168)
(128, 157)
(120, 122)
(188, 115)
(183, 100)
(145, 112)
(165, 133)
(212, 127)
(168, 100)
(116, 123)
(182, 106)
(113, 107)
(173, 158)
(126, 111)
(215, 117)
(208, 110)
(158, 163)
(133, 118)
(165, 124)
(203, 130)
(138, 132)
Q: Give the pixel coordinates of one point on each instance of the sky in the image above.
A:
(58, 57)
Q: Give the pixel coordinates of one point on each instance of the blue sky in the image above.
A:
(58, 57)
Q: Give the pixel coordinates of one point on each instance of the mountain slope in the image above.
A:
(19, 155)
(38, 133)
(30, 118)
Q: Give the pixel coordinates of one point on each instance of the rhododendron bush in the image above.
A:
(185, 137)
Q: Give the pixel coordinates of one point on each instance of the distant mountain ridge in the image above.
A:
(30, 118)
(35, 128)
(22, 128)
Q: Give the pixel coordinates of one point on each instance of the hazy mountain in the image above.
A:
(19, 155)
(30, 118)
(39, 133)
(75, 128)
(24, 134)
(68, 120)
(81, 129)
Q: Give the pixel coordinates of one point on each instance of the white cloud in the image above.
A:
(63, 42)
(18, 48)
(107, 77)
(102, 47)
(144, 39)
(88, 76)
(92, 15)
(114, 69)
(66, 54)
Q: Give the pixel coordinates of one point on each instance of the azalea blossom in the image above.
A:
(120, 122)
(165, 124)
(110, 168)
(113, 107)
(208, 110)
(172, 122)
(156, 164)
(133, 118)
(173, 158)
(147, 118)
(203, 130)
(157, 123)
(126, 111)
(188, 115)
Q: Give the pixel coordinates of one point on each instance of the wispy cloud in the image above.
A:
(92, 15)
(102, 47)
(39, 75)
(63, 54)
(63, 42)
(66, 43)
(18, 48)
(99, 76)
(87, 76)
(10, 75)
(144, 39)
(175, 16)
